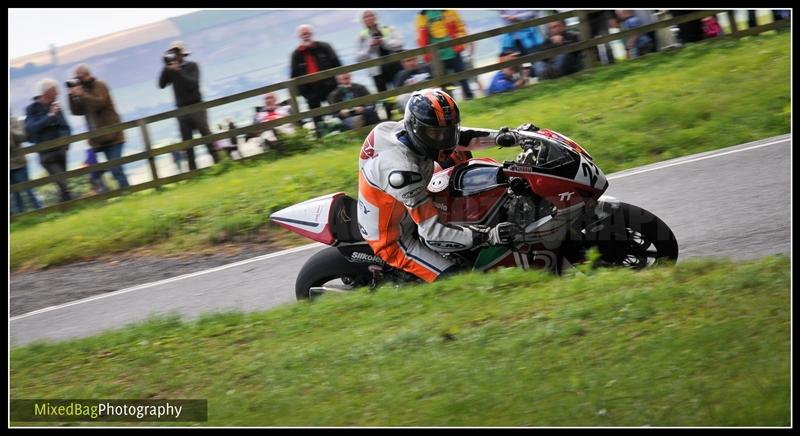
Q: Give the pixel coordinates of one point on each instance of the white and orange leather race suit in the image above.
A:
(395, 210)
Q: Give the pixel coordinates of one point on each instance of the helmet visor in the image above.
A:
(436, 137)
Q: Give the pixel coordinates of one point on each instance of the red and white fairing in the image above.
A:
(311, 218)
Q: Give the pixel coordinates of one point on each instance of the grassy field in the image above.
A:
(703, 343)
(702, 97)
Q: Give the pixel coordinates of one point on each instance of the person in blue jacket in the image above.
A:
(523, 41)
(509, 78)
(44, 120)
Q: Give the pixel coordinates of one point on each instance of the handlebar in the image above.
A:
(510, 137)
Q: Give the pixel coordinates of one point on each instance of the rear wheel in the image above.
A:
(634, 238)
(329, 271)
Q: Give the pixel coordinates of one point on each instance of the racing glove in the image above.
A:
(501, 234)
(528, 127)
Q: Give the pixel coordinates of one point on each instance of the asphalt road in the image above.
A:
(731, 203)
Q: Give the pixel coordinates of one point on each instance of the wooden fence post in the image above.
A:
(148, 147)
(586, 33)
(293, 94)
(437, 66)
(734, 25)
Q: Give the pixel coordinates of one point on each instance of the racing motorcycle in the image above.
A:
(552, 191)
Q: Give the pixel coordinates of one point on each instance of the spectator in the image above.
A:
(444, 25)
(95, 177)
(648, 16)
(690, 31)
(45, 121)
(523, 41)
(599, 25)
(91, 97)
(711, 28)
(563, 64)
(233, 145)
(358, 116)
(467, 57)
(272, 111)
(19, 166)
(309, 58)
(229, 145)
(412, 73)
(376, 41)
(509, 78)
(635, 46)
(234, 138)
(185, 79)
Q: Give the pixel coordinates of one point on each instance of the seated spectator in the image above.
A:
(412, 73)
(271, 110)
(19, 166)
(711, 28)
(563, 64)
(690, 31)
(635, 45)
(233, 144)
(358, 116)
(509, 78)
(227, 145)
(234, 138)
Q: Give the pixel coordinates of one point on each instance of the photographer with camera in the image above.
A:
(358, 116)
(44, 121)
(90, 97)
(185, 79)
(375, 41)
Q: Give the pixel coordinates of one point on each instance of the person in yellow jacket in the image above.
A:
(444, 25)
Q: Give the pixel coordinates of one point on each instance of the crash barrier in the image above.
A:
(586, 44)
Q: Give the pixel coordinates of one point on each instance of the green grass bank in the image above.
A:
(702, 343)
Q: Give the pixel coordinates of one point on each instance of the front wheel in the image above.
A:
(329, 270)
(633, 237)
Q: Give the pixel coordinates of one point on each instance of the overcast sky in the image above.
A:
(33, 30)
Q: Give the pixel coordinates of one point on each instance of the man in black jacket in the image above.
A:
(311, 57)
(185, 79)
(563, 64)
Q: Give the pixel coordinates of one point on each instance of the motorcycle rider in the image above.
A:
(395, 166)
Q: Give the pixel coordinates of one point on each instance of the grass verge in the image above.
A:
(702, 97)
(703, 343)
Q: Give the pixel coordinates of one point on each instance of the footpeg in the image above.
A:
(377, 276)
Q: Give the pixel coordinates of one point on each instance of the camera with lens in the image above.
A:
(73, 82)
(170, 57)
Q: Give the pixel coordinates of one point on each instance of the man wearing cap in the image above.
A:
(185, 79)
